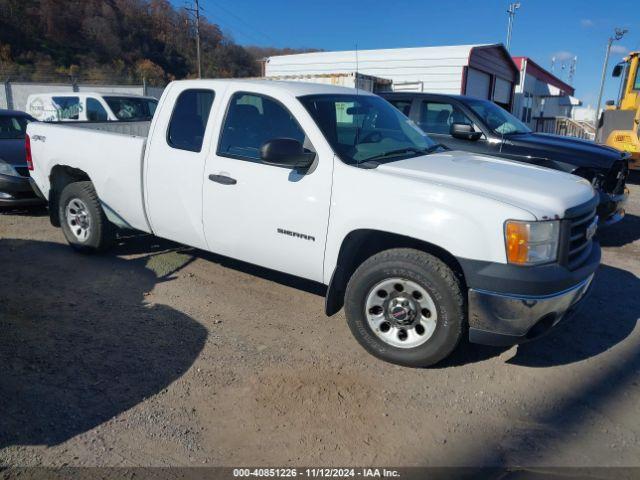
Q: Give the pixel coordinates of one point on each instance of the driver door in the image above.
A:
(272, 216)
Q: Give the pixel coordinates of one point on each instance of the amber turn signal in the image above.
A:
(517, 236)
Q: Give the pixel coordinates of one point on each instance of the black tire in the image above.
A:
(101, 233)
(434, 277)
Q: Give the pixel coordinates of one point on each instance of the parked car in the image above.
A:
(91, 107)
(480, 126)
(14, 175)
(421, 245)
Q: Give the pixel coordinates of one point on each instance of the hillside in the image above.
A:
(113, 41)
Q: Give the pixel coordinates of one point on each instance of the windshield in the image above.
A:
(363, 128)
(13, 127)
(496, 118)
(132, 108)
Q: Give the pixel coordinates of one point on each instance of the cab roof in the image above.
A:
(296, 89)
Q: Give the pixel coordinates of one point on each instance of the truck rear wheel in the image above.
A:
(83, 221)
(406, 307)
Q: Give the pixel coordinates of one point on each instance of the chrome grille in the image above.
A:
(579, 244)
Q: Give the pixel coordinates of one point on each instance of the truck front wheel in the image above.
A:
(406, 307)
(83, 221)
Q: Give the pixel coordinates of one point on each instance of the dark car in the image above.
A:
(15, 189)
(481, 126)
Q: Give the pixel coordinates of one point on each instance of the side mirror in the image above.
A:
(286, 152)
(464, 131)
(610, 103)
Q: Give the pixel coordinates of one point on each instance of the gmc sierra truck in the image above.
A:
(421, 245)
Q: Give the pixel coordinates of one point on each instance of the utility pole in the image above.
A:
(196, 12)
(512, 13)
(619, 33)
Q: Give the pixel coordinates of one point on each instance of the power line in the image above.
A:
(241, 20)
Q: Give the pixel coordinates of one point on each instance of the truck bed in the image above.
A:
(112, 160)
(137, 129)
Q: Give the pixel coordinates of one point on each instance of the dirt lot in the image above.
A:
(156, 354)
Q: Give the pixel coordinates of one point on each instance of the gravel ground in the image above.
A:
(157, 354)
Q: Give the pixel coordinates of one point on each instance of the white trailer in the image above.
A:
(357, 80)
(483, 71)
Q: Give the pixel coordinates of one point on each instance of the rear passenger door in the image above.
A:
(268, 215)
(175, 161)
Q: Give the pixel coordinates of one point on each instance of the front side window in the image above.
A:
(437, 117)
(95, 111)
(67, 108)
(189, 119)
(636, 84)
(497, 119)
(362, 128)
(251, 121)
(132, 108)
(13, 128)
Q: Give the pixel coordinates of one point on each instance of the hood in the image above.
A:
(575, 151)
(543, 192)
(13, 152)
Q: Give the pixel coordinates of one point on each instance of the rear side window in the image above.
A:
(67, 108)
(95, 111)
(403, 105)
(189, 119)
(253, 120)
(12, 128)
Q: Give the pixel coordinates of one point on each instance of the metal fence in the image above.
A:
(564, 126)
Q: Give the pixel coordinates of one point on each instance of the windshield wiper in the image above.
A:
(400, 151)
(393, 153)
(435, 147)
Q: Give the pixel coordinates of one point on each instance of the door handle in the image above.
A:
(223, 179)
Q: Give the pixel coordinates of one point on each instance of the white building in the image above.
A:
(541, 97)
(484, 71)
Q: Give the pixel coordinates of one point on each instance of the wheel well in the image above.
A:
(359, 245)
(60, 177)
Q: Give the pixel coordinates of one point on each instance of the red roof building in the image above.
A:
(541, 97)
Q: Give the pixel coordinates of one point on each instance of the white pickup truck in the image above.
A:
(421, 245)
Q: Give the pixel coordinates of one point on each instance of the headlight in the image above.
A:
(6, 169)
(531, 243)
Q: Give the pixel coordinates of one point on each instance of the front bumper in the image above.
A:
(17, 191)
(499, 319)
(508, 304)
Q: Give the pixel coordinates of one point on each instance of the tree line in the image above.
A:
(115, 40)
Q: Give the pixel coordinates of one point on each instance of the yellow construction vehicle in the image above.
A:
(619, 125)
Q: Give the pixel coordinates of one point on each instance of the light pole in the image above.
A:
(512, 13)
(619, 33)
